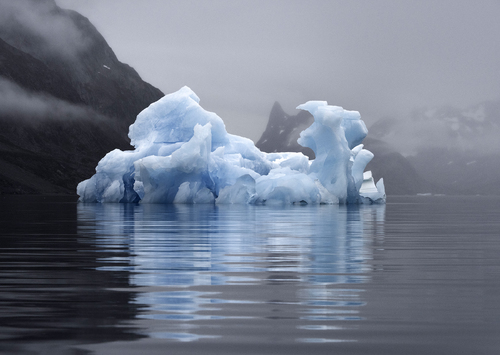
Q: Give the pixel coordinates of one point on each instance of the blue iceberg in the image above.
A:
(183, 154)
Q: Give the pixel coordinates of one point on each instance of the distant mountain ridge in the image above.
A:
(61, 108)
(400, 177)
(440, 150)
(474, 128)
(283, 130)
(455, 149)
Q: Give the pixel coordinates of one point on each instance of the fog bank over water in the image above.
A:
(383, 58)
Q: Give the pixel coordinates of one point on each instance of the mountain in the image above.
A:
(400, 177)
(283, 130)
(65, 98)
(473, 129)
(455, 149)
(459, 172)
(442, 150)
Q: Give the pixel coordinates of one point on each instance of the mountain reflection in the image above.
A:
(196, 266)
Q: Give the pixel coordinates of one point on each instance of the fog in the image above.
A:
(17, 103)
(382, 58)
(398, 59)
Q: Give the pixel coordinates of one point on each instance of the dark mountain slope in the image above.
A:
(283, 130)
(400, 177)
(30, 73)
(65, 99)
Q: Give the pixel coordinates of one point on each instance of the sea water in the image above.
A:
(420, 275)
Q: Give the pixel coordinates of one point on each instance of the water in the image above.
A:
(420, 275)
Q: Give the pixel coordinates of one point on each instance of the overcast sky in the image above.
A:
(381, 57)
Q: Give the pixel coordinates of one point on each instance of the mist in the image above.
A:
(383, 58)
(17, 103)
(398, 59)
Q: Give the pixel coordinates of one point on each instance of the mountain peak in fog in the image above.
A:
(283, 130)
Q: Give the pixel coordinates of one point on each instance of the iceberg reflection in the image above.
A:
(211, 264)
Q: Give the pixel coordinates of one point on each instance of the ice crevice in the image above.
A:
(183, 154)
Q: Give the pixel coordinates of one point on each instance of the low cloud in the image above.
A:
(19, 104)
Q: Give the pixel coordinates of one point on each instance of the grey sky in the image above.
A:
(379, 57)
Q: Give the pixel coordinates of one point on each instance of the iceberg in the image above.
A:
(183, 154)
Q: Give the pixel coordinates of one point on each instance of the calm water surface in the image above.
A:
(420, 275)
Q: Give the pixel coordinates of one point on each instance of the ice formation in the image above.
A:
(183, 154)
